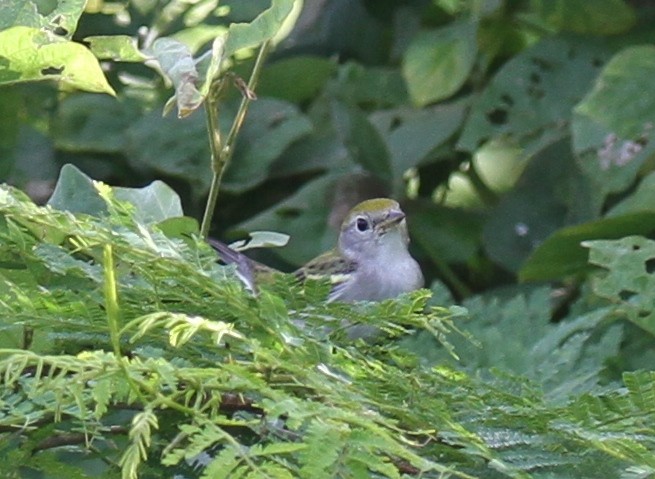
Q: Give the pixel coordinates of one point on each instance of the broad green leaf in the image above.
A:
(59, 17)
(271, 127)
(447, 235)
(153, 203)
(368, 86)
(119, 48)
(362, 141)
(295, 79)
(643, 199)
(263, 28)
(177, 63)
(628, 278)
(563, 254)
(30, 54)
(174, 147)
(604, 17)
(622, 99)
(610, 163)
(179, 227)
(540, 204)
(438, 62)
(524, 100)
(198, 36)
(93, 123)
(412, 135)
(320, 150)
(76, 192)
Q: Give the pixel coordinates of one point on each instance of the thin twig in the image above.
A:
(222, 154)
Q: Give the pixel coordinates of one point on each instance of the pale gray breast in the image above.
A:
(380, 281)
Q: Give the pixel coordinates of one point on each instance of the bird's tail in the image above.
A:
(226, 254)
(244, 265)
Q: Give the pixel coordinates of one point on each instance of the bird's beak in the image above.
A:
(393, 218)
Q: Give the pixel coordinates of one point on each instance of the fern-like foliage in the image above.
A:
(199, 378)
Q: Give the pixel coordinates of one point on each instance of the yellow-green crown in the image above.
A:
(375, 205)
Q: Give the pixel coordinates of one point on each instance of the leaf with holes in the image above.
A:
(563, 253)
(120, 48)
(58, 17)
(531, 97)
(29, 54)
(629, 277)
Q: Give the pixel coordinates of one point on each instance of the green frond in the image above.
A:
(211, 381)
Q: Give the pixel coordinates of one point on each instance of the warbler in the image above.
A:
(370, 262)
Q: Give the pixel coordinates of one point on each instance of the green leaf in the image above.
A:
(534, 209)
(198, 36)
(76, 192)
(119, 48)
(271, 127)
(324, 443)
(412, 135)
(58, 17)
(604, 17)
(179, 227)
(177, 148)
(438, 62)
(363, 142)
(295, 79)
(368, 86)
(628, 280)
(643, 199)
(30, 54)
(622, 98)
(262, 28)
(447, 235)
(93, 123)
(524, 100)
(153, 203)
(563, 254)
(58, 260)
(610, 163)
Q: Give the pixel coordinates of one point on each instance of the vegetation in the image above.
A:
(518, 135)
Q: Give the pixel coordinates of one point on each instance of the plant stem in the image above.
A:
(222, 154)
(111, 299)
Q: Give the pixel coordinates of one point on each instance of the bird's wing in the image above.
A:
(330, 265)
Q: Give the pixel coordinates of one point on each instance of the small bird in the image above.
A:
(370, 263)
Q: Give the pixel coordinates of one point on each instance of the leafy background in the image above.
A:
(518, 137)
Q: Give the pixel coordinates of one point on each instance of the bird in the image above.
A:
(370, 262)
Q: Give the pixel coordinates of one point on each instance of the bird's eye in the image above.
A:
(362, 224)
